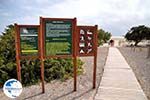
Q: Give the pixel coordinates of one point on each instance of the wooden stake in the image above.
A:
(42, 75)
(17, 52)
(75, 73)
(95, 58)
(41, 55)
(75, 54)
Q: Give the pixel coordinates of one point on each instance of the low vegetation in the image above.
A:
(103, 37)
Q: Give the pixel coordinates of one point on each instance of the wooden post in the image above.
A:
(42, 75)
(75, 73)
(95, 57)
(41, 55)
(75, 54)
(17, 52)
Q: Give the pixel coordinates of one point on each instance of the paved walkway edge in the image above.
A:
(118, 81)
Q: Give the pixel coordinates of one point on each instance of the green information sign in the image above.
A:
(58, 37)
(29, 40)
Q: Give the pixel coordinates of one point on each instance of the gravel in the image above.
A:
(57, 90)
(140, 64)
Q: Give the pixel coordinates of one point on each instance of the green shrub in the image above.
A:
(7, 55)
(30, 71)
(60, 69)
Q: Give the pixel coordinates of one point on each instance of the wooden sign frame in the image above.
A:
(41, 47)
(93, 30)
(18, 51)
(18, 39)
(42, 27)
(73, 55)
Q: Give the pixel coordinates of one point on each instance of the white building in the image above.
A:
(118, 41)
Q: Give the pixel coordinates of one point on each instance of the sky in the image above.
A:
(114, 16)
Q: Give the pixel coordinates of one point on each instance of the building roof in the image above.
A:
(117, 38)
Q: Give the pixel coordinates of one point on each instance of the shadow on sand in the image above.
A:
(33, 96)
(75, 96)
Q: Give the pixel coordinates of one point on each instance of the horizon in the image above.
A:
(116, 17)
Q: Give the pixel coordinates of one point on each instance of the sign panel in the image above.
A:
(29, 41)
(58, 37)
(86, 40)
